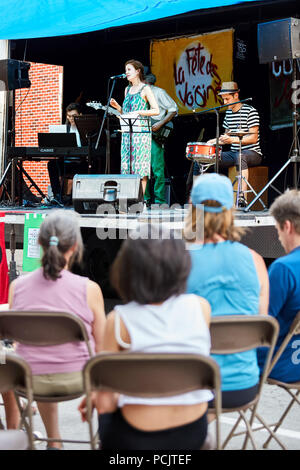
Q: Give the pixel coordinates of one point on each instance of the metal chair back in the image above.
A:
(151, 375)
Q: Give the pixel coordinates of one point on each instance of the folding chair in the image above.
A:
(288, 387)
(15, 373)
(151, 375)
(237, 333)
(43, 328)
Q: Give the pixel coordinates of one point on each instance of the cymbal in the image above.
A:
(238, 133)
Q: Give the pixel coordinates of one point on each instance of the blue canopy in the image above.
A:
(21, 19)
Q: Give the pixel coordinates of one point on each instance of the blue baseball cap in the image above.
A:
(215, 187)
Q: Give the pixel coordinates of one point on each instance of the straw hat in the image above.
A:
(229, 87)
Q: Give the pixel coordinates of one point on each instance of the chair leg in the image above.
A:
(266, 426)
(29, 414)
(89, 415)
(26, 412)
(231, 434)
(265, 445)
(92, 437)
(249, 434)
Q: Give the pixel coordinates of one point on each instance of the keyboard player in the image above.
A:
(62, 167)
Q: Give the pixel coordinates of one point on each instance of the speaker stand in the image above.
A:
(295, 158)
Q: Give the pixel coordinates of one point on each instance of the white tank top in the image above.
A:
(176, 326)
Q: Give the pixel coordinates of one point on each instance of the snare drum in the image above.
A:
(201, 152)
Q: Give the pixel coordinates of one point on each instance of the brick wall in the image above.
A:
(36, 108)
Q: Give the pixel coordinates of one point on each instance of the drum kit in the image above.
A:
(205, 155)
(202, 153)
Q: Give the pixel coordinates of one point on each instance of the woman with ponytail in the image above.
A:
(53, 287)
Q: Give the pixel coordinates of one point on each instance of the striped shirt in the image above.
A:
(244, 119)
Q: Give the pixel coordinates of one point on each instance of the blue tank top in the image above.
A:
(225, 275)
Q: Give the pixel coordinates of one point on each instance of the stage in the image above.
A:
(260, 235)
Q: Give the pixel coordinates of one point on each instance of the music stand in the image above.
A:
(87, 125)
(134, 125)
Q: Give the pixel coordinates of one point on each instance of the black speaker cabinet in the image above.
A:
(14, 74)
(278, 40)
(118, 191)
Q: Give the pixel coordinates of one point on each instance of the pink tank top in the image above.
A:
(68, 294)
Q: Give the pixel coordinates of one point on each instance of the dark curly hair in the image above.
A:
(150, 270)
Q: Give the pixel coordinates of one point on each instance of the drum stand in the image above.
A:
(203, 166)
(240, 178)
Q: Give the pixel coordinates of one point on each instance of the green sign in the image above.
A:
(31, 249)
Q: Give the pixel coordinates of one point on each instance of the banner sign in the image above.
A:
(31, 249)
(191, 69)
(282, 92)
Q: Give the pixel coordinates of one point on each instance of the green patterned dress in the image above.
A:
(140, 152)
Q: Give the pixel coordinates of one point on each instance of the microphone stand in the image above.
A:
(103, 121)
(217, 140)
(216, 109)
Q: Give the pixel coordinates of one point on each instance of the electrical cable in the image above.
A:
(25, 50)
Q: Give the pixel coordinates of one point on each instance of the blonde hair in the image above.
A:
(212, 224)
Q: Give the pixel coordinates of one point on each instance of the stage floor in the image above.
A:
(260, 233)
(16, 215)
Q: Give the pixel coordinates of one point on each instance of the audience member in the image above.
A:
(232, 277)
(284, 276)
(57, 369)
(150, 277)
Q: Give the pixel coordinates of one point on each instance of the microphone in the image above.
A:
(123, 75)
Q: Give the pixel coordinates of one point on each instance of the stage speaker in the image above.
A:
(278, 40)
(14, 74)
(119, 192)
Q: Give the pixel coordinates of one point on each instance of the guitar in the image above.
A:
(97, 105)
(163, 133)
(159, 136)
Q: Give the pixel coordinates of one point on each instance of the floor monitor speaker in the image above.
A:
(119, 191)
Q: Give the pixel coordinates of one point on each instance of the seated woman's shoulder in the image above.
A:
(94, 287)
(206, 309)
(258, 260)
(204, 306)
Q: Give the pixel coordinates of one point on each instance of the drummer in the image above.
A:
(240, 116)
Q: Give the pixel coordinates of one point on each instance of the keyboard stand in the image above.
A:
(17, 163)
(17, 155)
(22, 171)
